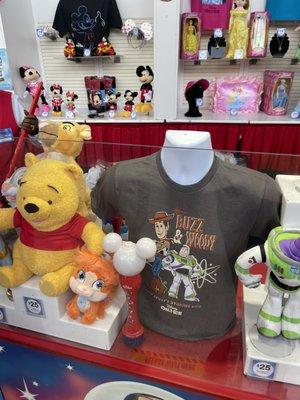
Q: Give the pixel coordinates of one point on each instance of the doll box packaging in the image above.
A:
(190, 36)
(277, 87)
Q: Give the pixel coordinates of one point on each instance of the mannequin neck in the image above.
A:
(187, 156)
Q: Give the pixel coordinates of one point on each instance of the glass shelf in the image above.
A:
(115, 58)
(250, 61)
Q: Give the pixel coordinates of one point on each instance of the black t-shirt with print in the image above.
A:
(87, 21)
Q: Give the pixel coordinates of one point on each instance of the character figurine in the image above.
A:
(57, 101)
(32, 79)
(129, 104)
(281, 254)
(194, 95)
(105, 48)
(113, 100)
(238, 30)
(146, 76)
(69, 50)
(5, 257)
(70, 103)
(94, 283)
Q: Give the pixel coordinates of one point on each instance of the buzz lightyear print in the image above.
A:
(174, 255)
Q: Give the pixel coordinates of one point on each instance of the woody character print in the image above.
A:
(174, 256)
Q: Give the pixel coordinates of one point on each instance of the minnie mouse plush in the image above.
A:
(57, 101)
(146, 76)
(32, 78)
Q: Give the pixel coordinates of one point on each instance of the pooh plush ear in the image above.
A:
(85, 132)
(74, 170)
(30, 159)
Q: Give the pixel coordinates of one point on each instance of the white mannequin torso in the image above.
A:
(187, 156)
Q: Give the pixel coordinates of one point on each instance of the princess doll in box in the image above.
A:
(238, 29)
(191, 25)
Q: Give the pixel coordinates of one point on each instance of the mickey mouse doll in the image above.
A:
(146, 76)
(194, 95)
(57, 101)
(32, 79)
(129, 104)
(113, 100)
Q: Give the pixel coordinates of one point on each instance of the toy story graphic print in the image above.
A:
(176, 271)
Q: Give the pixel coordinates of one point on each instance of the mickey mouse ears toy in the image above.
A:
(140, 34)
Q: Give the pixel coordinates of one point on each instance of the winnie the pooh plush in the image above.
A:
(51, 229)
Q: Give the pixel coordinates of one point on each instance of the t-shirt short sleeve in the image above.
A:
(104, 195)
(60, 20)
(17, 219)
(268, 214)
(114, 18)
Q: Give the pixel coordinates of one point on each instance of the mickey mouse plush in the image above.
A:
(146, 76)
(194, 95)
(32, 78)
(57, 101)
(129, 104)
(113, 99)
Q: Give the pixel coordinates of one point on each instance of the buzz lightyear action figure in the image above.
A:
(281, 254)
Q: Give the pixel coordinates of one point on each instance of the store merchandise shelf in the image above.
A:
(115, 58)
(209, 116)
(250, 61)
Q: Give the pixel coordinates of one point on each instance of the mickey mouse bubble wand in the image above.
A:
(129, 259)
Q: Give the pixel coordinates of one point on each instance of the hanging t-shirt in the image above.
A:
(188, 292)
(87, 21)
(214, 13)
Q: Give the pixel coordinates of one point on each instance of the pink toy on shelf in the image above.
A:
(277, 87)
(190, 36)
(259, 32)
(240, 94)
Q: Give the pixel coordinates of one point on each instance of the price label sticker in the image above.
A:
(218, 33)
(238, 54)
(263, 369)
(34, 307)
(2, 315)
(199, 102)
(40, 31)
(203, 54)
(280, 32)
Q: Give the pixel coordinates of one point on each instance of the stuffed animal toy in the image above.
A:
(94, 282)
(31, 77)
(69, 50)
(146, 76)
(129, 103)
(57, 101)
(5, 258)
(113, 99)
(49, 199)
(71, 107)
(194, 95)
(281, 254)
(105, 48)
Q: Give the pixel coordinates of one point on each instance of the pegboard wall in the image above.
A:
(211, 69)
(71, 75)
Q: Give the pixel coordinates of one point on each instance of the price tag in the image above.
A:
(203, 54)
(263, 369)
(199, 102)
(238, 54)
(40, 31)
(218, 33)
(2, 315)
(34, 307)
(280, 32)
(6, 135)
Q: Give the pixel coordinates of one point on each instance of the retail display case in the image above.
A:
(39, 364)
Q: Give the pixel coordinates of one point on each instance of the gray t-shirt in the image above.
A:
(188, 292)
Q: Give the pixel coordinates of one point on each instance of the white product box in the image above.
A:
(273, 359)
(31, 309)
(290, 211)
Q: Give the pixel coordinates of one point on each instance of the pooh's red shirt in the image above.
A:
(67, 237)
